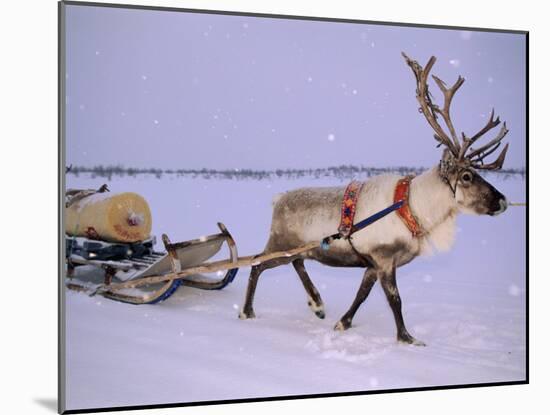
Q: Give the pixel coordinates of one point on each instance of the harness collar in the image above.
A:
(404, 212)
(349, 206)
(401, 193)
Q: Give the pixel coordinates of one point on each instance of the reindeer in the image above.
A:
(435, 197)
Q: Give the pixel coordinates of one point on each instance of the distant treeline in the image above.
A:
(340, 172)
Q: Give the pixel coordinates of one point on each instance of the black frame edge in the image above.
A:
(289, 17)
(61, 372)
(292, 397)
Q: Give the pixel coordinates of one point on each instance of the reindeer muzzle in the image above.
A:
(501, 206)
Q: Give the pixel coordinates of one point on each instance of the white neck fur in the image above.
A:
(433, 203)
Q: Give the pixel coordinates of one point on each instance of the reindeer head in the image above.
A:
(458, 166)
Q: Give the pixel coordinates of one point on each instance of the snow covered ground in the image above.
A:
(468, 305)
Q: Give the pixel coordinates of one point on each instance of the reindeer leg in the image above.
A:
(369, 278)
(389, 285)
(314, 302)
(248, 309)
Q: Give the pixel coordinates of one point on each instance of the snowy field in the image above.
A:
(468, 305)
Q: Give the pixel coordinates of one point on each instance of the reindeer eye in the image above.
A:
(467, 177)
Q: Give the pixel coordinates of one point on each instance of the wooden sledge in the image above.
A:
(123, 263)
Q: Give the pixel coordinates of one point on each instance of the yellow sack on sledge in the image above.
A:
(115, 217)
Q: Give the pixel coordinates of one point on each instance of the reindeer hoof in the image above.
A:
(408, 339)
(246, 315)
(342, 325)
(319, 310)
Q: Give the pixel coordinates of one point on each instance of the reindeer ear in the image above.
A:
(447, 156)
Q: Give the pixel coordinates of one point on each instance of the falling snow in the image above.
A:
(514, 290)
(468, 306)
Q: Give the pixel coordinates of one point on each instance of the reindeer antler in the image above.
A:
(430, 111)
(483, 151)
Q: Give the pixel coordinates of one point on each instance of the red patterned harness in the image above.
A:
(404, 212)
(349, 207)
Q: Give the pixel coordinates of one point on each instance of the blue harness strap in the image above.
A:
(325, 243)
(378, 215)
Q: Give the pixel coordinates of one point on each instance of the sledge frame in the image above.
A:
(156, 265)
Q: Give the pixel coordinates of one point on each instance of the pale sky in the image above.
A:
(182, 90)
